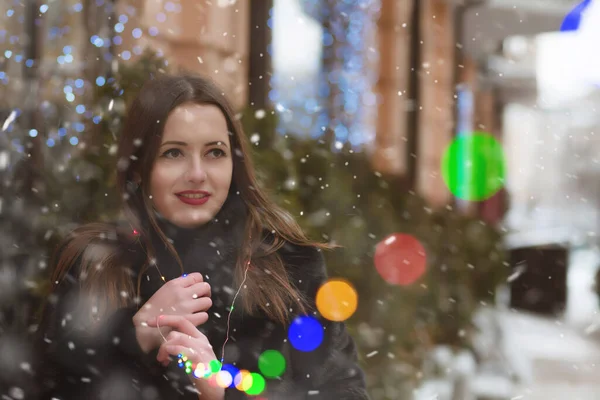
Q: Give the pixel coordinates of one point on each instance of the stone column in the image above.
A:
(390, 148)
(223, 46)
(206, 37)
(487, 119)
(436, 104)
(259, 66)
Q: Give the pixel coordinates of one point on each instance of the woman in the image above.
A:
(205, 267)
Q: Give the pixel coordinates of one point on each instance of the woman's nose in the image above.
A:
(196, 172)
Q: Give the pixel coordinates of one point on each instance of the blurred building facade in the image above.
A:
(491, 66)
(545, 114)
(441, 67)
(414, 117)
(424, 60)
(206, 37)
(419, 83)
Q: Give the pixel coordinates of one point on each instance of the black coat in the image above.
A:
(111, 365)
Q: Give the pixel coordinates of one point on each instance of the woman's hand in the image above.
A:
(185, 339)
(187, 296)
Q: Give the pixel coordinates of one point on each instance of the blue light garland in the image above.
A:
(344, 96)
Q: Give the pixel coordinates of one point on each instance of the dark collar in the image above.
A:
(228, 225)
(211, 249)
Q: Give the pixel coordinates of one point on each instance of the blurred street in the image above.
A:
(449, 146)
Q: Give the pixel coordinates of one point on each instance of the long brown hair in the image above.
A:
(268, 287)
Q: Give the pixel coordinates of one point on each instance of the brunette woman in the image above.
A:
(202, 265)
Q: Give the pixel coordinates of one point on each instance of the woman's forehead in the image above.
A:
(196, 122)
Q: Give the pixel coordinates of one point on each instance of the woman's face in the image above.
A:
(192, 172)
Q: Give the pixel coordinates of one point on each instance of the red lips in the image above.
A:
(193, 192)
(191, 200)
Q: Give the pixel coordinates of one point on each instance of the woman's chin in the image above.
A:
(191, 220)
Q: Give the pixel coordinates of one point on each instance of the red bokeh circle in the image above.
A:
(400, 259)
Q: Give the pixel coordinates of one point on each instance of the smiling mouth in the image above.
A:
(193, 196)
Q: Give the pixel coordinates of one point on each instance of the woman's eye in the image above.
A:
(216, 153)
(172, 153)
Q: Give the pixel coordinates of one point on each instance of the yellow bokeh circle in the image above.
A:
(337, 300)
(202, 371)
(243, 380)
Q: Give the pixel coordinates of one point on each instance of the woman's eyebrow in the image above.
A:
(174, 142)
(217, 143)
(178, 143)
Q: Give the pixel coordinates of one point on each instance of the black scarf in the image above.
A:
(212, 250)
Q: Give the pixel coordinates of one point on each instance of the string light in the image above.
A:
(347, 53)
(231, 310)
(214, 367)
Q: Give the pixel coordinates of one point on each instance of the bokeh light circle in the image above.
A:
(258, 385)
(473, 166)
(202, 371)
(243, 380)
(337, 300)
(215, 366)
(400, 259)
(232, 371)
(224, 379)
(305, 333)
(271, 364)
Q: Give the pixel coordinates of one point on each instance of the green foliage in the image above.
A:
(85, 184)
(80, 181)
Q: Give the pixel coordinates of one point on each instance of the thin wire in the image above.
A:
(228, 316)
(158, 327)
(231, 310)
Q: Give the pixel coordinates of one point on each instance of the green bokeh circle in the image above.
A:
(473, 166)
(258, 385)
(271, 363)
(215, 366)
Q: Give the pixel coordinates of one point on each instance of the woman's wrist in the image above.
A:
(144, 337)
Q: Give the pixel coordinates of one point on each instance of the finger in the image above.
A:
(189, 279)
(182, 341)
(196, 319)
(173, 335)
(163, 356)
(177, 322)
(198, 305)
(175, 350)
(201, 289)
(184, 347)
